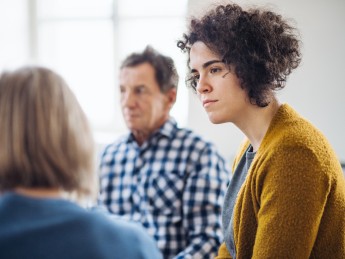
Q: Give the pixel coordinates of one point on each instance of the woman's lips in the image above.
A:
(207, 102)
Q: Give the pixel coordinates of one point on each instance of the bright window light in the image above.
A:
(86, 40)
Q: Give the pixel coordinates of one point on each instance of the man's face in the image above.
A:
(144, 107)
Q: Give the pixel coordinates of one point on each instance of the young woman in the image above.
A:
(46, 156)
(287, 195)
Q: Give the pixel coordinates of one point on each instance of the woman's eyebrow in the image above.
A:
(208, 63)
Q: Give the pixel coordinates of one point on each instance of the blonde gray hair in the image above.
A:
(46, 141)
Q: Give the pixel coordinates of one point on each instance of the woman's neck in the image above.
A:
(257, 123)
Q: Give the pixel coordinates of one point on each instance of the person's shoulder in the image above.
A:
(110, 147)
(189, 139)
(131, 236)
(112, 228)
(295, 140)
(109, 235)
(289, 128)
(129, 230)
(109, 150)
(192, 136)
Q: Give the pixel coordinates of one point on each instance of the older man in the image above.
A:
(166, 178)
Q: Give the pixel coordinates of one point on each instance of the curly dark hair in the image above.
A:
(259, 45)
(164, 67)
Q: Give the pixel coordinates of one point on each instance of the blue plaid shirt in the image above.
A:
(174, 185)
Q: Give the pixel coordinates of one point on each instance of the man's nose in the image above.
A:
(128, 100)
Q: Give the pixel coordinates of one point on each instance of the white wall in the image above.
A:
(316, 89)
(14, 38)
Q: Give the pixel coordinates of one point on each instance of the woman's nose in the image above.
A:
(203, 86)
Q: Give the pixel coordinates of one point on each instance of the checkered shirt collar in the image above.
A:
(167, 130)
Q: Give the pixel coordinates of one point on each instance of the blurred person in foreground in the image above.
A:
(286, 198)
(46, 160)
(166, 178)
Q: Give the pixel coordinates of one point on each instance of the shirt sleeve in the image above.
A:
(202, 202)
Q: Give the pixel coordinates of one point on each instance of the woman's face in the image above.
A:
(217, 87)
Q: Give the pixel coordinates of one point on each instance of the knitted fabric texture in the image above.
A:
(292, 204)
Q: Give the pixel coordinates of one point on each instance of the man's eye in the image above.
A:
(140, 90)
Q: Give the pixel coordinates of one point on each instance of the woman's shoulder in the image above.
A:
(288, 128)
(293, 140)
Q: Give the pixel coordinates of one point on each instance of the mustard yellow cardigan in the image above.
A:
(292, 204)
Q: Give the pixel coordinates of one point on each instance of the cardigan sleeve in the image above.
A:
(291, 192)
(223, 252)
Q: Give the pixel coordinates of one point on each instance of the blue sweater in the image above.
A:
(56, 228)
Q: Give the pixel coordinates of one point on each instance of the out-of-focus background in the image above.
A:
(85, 41)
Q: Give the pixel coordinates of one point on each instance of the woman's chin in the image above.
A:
(215, 119)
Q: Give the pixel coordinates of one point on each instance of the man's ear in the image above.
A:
(171, 95)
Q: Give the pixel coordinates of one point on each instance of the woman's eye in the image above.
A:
(215, 70)
(196, 78)
(193, 81)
